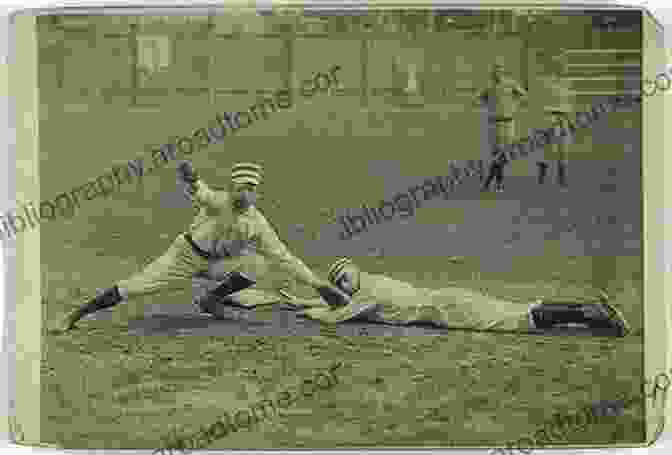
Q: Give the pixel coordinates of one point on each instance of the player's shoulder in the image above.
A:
(255, 216)
(255, 213)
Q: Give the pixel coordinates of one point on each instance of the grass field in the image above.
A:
(105, 388)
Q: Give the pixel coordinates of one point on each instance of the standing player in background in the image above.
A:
(228, 229)
(558, 109)
(501, 98)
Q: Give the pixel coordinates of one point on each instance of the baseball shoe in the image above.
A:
(105, 298)
(597, 318)
(67, 322)
(603, 315)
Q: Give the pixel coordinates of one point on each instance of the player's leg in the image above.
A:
(559, 148)
(599, 317)
(491, 146)
(562, 151)
(595, 318)
(498, 174)
(544, 164)
(224, 281)
(561, 164)
(173, 269)
(499, 168)
(495, 171)
(467, 309)
(207, 299)
(492, 172)
(505, 136)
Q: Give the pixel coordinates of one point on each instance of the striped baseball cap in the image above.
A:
(336, 269)
(246, 173)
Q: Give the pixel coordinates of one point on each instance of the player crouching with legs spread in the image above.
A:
(228, 229)
(395, 302)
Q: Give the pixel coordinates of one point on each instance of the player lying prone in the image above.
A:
(380, 299)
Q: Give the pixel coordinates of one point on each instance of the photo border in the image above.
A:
(22, 321)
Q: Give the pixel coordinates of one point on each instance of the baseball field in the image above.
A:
(129, 376)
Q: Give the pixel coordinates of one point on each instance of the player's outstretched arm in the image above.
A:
(520, 92)
(195, 188)
(479, 98)
(187, 174)
(270, 246)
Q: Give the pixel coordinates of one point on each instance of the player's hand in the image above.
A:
(479, 100)
(186, 172)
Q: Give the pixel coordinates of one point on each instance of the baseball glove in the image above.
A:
(186, 172)
(333, 296)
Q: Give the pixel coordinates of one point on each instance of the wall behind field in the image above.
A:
(112, 86)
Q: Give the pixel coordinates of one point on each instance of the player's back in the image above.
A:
(386, 289)
(396, 298)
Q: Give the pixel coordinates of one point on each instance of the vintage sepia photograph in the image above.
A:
(302, 228)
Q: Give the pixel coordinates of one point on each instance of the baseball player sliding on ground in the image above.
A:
(378, 298)
(227, 230)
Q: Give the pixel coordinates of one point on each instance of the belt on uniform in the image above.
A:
(562, 113)
(197, 249)
(503, 119)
